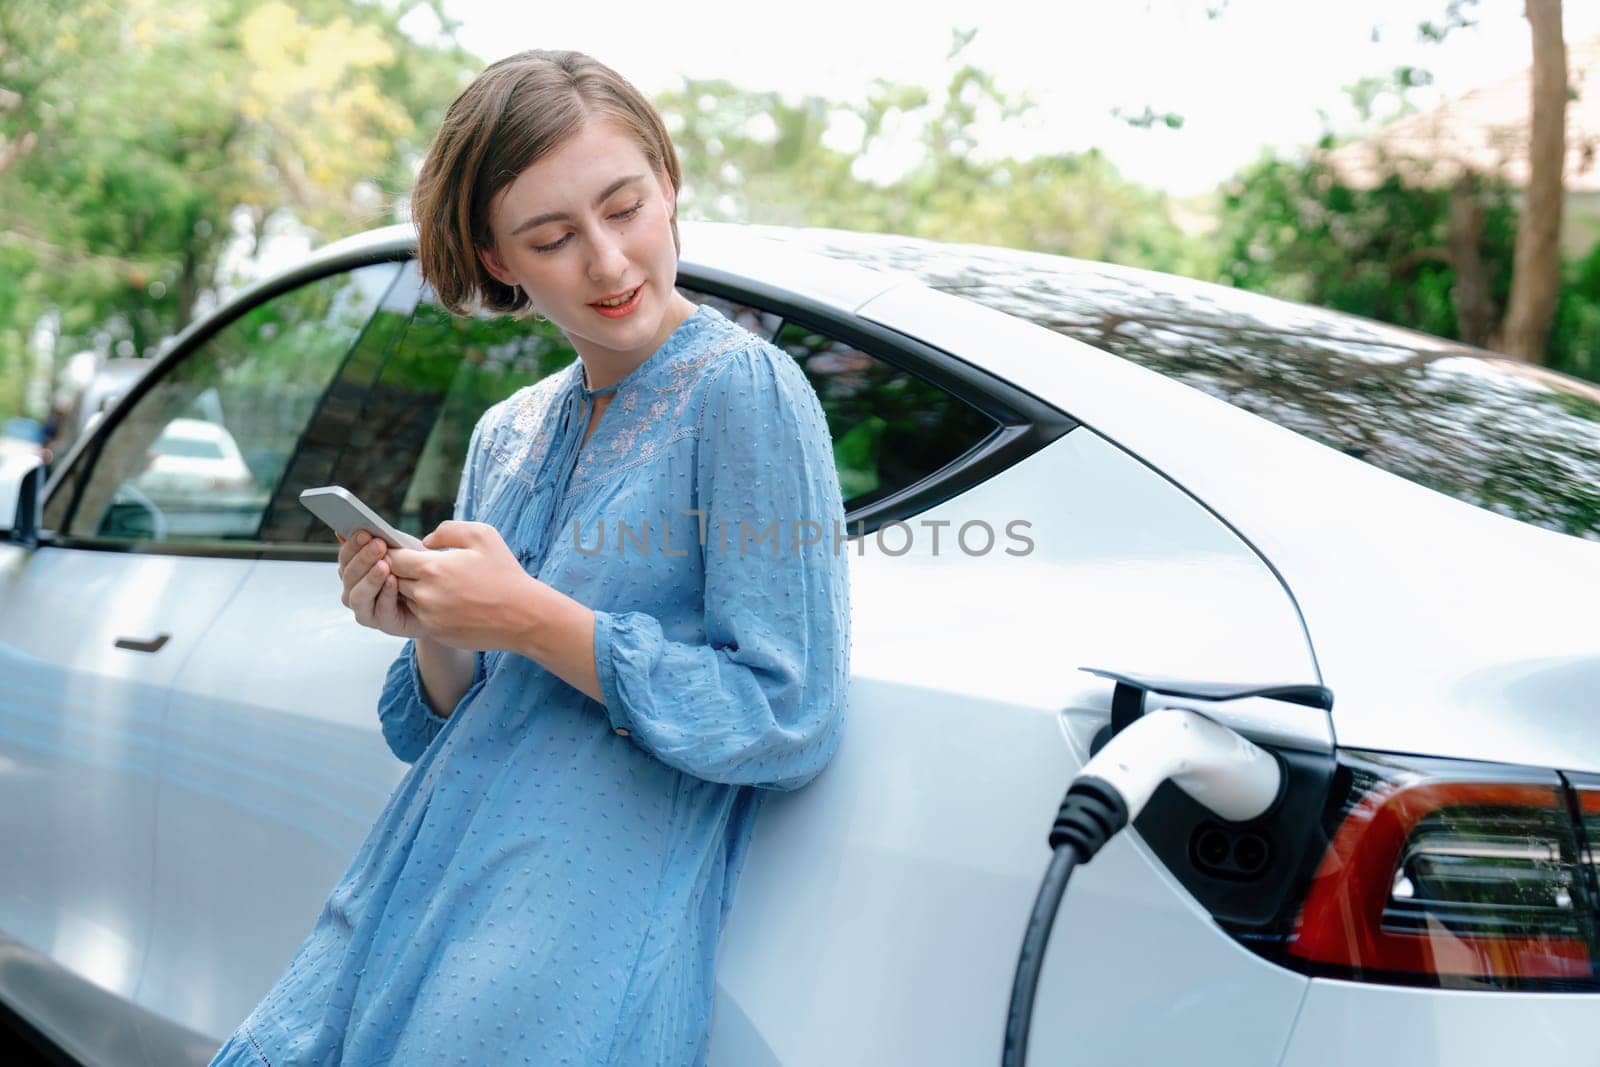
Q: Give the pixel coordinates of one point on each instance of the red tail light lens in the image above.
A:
(1452, 874)
(1586, 789)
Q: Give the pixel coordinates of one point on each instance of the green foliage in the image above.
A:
(1575, 334)
(759, 157)
(1455, 18)
(1294, 230)
(1149, 118)
(139, 133)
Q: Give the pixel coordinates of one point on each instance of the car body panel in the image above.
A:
(80, 728)
(895, 889)
(274, 771)
(1347, 1022)
(729, 250)
(1478, 644)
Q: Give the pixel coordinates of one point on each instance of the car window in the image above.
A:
(187, 448)
(890, 428)
(198, 457)
(406, 451)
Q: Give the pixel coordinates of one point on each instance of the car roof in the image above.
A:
(770, 253)
(187, 427)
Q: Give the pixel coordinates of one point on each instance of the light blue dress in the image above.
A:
(548, 882)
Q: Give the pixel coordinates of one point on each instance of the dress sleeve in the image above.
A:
(762, 701)
(409, 723)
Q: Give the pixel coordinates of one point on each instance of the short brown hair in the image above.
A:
(515, 112)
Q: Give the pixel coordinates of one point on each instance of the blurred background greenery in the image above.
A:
(151, 149)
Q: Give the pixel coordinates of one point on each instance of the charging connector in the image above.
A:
(1229, 774)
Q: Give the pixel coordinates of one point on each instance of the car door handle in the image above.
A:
(136, 645)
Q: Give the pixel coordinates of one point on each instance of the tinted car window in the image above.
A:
(201, 452)
(1517, 440)
(890, 428)
(409, 446)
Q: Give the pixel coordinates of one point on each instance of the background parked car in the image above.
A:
(23, 436)
(1213, 485)
(110, 383)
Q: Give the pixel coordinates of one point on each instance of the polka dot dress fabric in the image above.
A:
(548, 882)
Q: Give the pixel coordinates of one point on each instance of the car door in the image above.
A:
(92, 632)
(277, 766)
(148, 533)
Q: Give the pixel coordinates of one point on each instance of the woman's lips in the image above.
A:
(621, 309)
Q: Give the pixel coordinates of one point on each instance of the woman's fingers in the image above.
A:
(358, 566)
(386, 607)
(372, 591)
(364, 594)
(348, 548)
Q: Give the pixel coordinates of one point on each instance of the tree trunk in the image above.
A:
(1470, 294)
(188, 282)
(1536, 272)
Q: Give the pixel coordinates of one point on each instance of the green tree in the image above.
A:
(1295, 230)
(757, 157)
(139, 133)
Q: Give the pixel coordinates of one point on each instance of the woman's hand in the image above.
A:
(371, 591)
(476, 597)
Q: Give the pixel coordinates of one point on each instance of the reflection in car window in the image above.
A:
(442, 373)
(1514, 439)
(759, 322)
(890, 428)
(199, 455)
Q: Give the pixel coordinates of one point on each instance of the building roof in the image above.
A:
(1485, 129)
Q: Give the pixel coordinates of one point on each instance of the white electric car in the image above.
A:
(1049, 465)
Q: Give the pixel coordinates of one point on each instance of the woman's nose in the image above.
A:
(607, 263)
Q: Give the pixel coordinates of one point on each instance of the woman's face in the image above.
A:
(589, 221)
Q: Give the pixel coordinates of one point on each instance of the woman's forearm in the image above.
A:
(446, 674)
(557, 632)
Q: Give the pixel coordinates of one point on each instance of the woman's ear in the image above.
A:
(668, 194)
(496, 269)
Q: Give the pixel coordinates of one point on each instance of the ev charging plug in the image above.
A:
(1234, 777)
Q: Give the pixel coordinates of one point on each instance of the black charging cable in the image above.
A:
(1091, 814)
(1229, 774)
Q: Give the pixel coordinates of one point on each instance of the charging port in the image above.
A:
(1222, 852)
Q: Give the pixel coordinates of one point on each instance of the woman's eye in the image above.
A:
(628, 214)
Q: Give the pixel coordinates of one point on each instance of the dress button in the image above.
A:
(621, 731)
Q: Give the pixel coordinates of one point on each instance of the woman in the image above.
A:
(618, 654)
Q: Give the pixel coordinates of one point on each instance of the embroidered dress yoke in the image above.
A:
(548, 882)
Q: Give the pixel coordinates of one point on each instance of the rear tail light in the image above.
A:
(1586, 793)
(1453, 874)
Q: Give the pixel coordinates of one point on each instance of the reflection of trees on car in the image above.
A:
(258, 380)
(443, 372)
(888, 426)
(1515, 439)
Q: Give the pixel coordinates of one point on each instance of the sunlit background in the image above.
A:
(157, 155)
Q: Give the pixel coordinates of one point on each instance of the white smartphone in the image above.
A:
(345, 513)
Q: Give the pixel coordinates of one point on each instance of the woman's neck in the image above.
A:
(603, 367)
